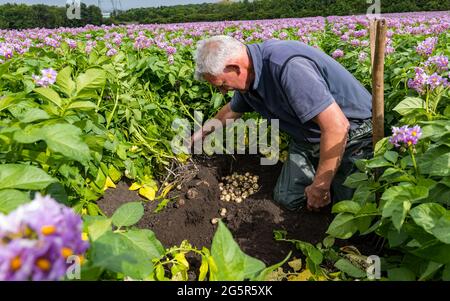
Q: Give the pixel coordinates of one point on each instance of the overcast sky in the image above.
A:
(106, 4)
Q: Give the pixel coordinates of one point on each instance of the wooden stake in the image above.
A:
(378, 82)
(372, 35)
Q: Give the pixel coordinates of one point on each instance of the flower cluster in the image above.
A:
(171, 50)
(438, 61)
(71, 43)
(90, 46)
(405, 136)
(47, 78)
(422, 81)
(337, 53)
(111, 50)
(362, 56)
(37, 239)
(6, 51)
(426, 48)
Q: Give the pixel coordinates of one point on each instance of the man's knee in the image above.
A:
(290, 201)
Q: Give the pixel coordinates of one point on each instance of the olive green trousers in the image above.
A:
(299, 169)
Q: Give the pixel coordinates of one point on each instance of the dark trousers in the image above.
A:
(299, 169)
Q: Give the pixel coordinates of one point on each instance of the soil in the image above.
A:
(252, 222)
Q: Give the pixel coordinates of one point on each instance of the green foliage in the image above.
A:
(324, 261)
(125, 252)
(412, 213)
(128, 214)
(230, 262)
(20, 16)
(225, 261)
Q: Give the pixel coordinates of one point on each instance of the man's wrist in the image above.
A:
(322, 184)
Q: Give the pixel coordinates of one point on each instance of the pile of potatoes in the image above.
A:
(238, 187)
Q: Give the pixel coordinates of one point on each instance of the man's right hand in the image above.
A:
(224, 113)
(196, 138)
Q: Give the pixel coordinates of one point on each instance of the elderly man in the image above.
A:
(326, 111)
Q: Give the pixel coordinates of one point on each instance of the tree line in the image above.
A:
(20, 16)
(270, 9)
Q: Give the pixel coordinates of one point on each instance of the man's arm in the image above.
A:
(334, 127)
(224, 113)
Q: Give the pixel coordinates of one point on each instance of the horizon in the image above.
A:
(106, 5)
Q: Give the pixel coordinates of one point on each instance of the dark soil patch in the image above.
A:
(252, 222)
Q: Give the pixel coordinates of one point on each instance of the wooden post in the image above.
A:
(372, 35)
(378, 82)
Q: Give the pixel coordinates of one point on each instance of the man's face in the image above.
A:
(233, 78)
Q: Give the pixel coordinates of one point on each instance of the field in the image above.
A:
(86, 117)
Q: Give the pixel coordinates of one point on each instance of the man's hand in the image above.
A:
(218, 121)
(334, 128)
(197, 136)
(317, 197)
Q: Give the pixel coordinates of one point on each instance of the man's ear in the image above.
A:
(233, 68)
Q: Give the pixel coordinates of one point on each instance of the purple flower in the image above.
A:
(355, 43)
(37, 238)
(283, 35)
(362, 56)
(435, 81)
(111, 52)
(71, 43)
(419, 82)
(389, 50)
(6, 51)
(337, 53)
(440, 61)
(426, 48)
(171, 50)
(405, 136)
(47, 78)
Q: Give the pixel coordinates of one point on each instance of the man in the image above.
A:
(317, 101)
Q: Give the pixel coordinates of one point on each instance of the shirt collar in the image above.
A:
(254, 51)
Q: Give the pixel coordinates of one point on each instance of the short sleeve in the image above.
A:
(305, 88)
(239, 105)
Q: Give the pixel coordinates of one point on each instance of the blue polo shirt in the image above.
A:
(294, 82)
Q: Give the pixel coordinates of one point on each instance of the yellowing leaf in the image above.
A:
(182, 157)
(203, 269)
(182, 260)
(135, 186)
(109, 184)
(166, 190)
(148, 192)
(277, 275)
(306, 275)
(212, 268)
(296, 264)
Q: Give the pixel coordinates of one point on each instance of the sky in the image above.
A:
(106, 4)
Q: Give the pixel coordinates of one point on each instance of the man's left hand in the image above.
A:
(317, 197)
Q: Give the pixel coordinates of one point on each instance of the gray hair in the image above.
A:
(212, 55)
